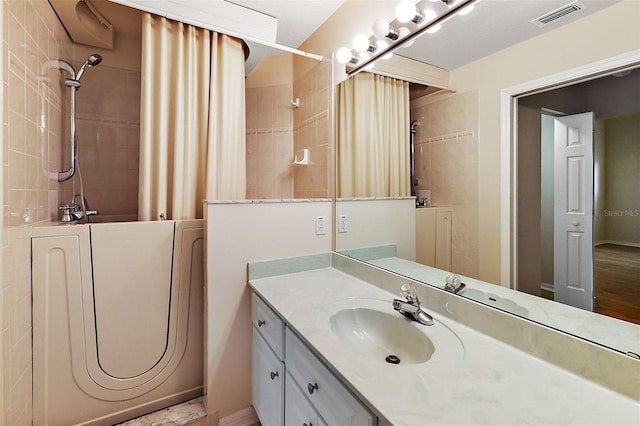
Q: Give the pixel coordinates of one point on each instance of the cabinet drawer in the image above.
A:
(267, 382)
(298, 410)
(268, 324)
(335, 403)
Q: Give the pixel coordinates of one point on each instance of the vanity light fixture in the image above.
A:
(389, 36)
(406, 11)
(344, 55)
(382, 29)
(360, 43)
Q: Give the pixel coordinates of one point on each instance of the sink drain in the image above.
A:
(392, 359)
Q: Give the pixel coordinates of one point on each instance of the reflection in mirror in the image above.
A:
(457, 174)
(288, 101)
(276, 129)
(615, 234)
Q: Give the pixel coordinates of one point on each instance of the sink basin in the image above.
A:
(380, 335)
(373, 330)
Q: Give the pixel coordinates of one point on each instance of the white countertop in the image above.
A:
(493, 383)
(620, 335)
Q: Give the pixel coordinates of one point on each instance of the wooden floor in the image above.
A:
(617, 281)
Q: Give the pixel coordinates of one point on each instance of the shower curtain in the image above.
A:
(373, 137)
(192, 138)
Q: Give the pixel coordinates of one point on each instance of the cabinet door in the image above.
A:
(298, 410)
(334, 403)
(267, 382)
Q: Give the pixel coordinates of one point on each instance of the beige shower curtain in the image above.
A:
(192, 138)
(373, 137)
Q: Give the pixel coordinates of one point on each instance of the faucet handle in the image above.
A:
(453, 283)
(409, 292)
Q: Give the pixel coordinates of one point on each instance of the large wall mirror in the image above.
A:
(419, 175)
(288, 116)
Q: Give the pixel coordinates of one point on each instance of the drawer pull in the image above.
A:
(312, 388)
(261, 323)
(309, 424)
(274, 374)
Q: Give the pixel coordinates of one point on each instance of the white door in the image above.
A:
(573, 210)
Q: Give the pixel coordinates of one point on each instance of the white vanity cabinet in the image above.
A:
(335, 404)
(290, 385)
(268, 371)
(298, 410)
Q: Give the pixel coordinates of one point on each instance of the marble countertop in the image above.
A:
(611, 332)
(491, 383)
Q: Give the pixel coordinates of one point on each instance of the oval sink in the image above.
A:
(379, 335)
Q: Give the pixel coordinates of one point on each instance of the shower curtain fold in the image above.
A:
(192, 138)
(373, 137)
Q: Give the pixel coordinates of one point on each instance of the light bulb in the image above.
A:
(380, 28)
(344, 55)
(360, 43)
(429, 15)
(405, 11)
(434, 29)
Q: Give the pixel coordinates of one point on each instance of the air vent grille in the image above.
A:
(558, 13)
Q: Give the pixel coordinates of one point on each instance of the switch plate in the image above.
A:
(321, 225)
(342, 223)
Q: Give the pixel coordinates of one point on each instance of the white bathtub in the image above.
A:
(117, 319)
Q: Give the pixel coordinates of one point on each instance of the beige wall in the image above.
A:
(379, 222)
(236, 235)
(608, 33)
(446, 162)
(622, 175)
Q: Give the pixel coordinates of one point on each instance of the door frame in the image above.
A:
(509, 143)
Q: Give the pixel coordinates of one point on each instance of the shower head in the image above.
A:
(92, 61)
(413, 126)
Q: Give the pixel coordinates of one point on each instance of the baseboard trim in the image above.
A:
(245, 417)
(618, 243)
(547, 287)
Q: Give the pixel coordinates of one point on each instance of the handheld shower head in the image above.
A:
(92, 61)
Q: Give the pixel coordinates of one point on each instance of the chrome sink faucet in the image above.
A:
(410, 307)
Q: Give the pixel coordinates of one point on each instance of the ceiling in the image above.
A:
(492, 26)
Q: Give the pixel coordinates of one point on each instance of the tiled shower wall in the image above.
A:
(269, 141)
(312, 128)
(32, 123)
(446, 162)
(108, 128)
(277, 130)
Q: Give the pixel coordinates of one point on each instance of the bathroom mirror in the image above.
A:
(287, 102)
(454, 164)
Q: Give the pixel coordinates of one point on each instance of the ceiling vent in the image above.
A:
(558, 13)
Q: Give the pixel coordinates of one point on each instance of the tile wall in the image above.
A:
(312, 128)
(108, 128)
(446, 162)
(32, 123)
(269, 141)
